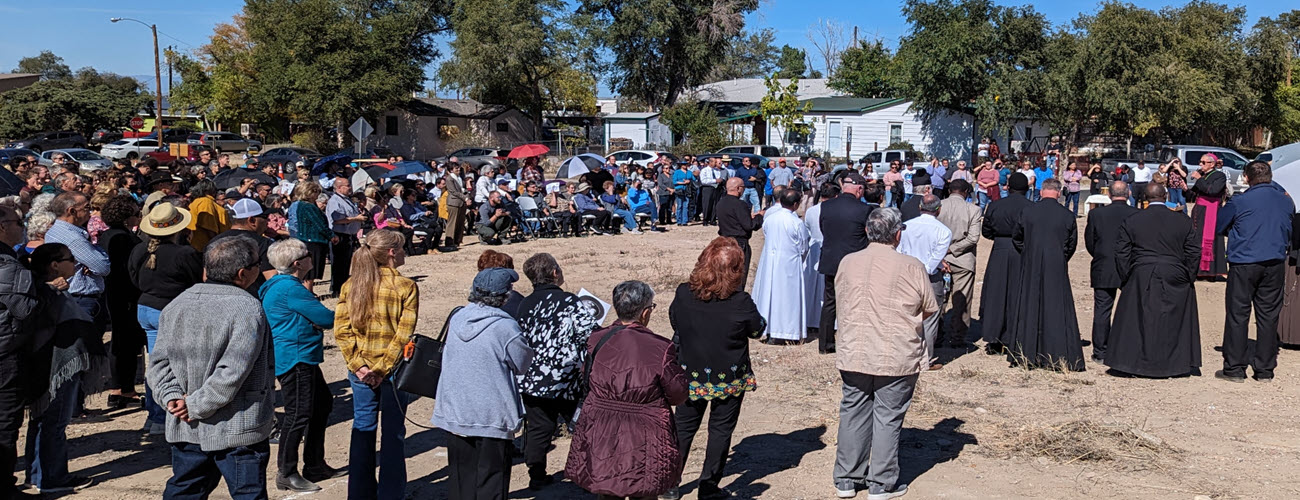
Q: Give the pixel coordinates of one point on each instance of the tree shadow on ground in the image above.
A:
(919, 450)
(141, 457)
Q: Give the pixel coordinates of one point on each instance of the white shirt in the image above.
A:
(1029, 175)
(1142, 174)
(927, 239)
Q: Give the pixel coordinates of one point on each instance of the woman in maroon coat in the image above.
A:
(626, 442)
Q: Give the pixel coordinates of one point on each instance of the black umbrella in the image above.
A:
(234, 177)
(10, 184)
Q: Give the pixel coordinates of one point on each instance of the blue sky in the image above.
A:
(79, 30)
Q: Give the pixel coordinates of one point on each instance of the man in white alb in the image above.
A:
(780, 286)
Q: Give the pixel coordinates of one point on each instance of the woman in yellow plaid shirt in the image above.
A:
(374, 319)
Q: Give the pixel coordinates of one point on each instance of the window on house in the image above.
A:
(503, 127)
(390, 125)
(895, 133)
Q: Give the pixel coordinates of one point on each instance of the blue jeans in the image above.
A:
(750, 195)
(889, 198)
(196, 473)
(1176, 197)
(1002, 191)
(47, 438)
(983, 199)
(372, 407)
(683, 208)
(1033, 194)
(629, 221)
(148, 318)
(1072, 202)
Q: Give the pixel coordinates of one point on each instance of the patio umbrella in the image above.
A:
(579, 165)
(372, 174)
(320, 164)
(406, 168)
(230, 179)
(529, 150)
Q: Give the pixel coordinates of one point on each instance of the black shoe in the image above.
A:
(323, 474)
(73, 484)
(1098, 359)
(1230, 378)
(295, 482)
(1263, 378)
(828, 350)
(539, 482)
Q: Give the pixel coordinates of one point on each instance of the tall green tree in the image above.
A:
(328, 61)
(782, 109)
(696, 123)
(517, 52)
(661, 48)
(865, 71)
(792, 63)
(46, 64)
(84, 102)
(753, 56)
(1273, 58)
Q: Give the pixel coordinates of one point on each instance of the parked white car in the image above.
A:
(87, 159)
(129, 148)
(639, 156)
(1190, 155)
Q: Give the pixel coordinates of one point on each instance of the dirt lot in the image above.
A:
(978, 428)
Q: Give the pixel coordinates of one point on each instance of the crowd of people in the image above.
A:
(881, 269)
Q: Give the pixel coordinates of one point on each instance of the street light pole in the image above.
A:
(157, 74)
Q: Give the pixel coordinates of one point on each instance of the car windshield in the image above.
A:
(117, 143)
(194, 137)
(84, 155)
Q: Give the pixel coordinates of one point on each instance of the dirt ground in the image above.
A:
(977, 429)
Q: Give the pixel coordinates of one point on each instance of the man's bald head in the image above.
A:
(930, 204)
(1156, 193)
(1119, 190)
(735, 186)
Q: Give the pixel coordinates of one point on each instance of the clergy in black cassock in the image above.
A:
(1209, 192)
(1044, 329)
(1156, 331)
(1002, 271)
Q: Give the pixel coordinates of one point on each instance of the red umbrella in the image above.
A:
(529, 150)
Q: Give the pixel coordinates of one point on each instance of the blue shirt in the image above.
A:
(680, 176)
(296, 319)
(745, 173)
(936, 176)
(1041, 174)
(92, 261)
(1257, 224)
(767, 187)
(584, 202)
(637, 198)
(1003, 174)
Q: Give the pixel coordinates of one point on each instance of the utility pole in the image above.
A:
(157, 75)
(171, 49)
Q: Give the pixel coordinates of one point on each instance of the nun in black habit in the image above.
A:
(1044, 329)
(1156, 331)
(1002, 272)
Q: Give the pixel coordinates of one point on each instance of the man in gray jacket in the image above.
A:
(212, 370)
(19, 304)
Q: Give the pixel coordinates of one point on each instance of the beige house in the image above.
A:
(422, 128)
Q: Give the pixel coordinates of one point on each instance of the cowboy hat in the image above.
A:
(726, 158)
(583, 187)
(165, 219)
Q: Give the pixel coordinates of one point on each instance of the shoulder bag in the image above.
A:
(586, 370)
(420, 367)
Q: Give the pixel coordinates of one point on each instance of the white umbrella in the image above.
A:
(1288, 176)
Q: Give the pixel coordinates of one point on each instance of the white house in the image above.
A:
(641, 130)
(853, 126)
(422, 127)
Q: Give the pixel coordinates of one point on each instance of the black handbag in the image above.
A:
(586, 371)
(420, 367)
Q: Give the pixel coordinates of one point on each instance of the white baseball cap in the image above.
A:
(247, 209)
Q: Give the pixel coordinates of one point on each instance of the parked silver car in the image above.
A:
(224, 141)
(49, 140)
(88, 160)
(1190, 155)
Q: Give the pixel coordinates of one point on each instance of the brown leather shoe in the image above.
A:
(936, 366)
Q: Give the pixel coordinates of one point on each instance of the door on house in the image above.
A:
(834, 131)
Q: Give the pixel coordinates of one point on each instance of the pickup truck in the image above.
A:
(164, 154)
(772, 153)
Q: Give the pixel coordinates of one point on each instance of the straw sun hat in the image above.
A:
(165, 220)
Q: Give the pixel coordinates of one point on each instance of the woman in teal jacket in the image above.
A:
(296, 319)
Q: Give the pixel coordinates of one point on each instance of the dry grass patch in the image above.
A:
(1081, 440)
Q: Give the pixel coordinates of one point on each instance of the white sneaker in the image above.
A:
(899, 491)
(634, 231)
(157, 429)
(850, 493)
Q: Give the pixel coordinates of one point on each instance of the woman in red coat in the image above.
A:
(626, 442)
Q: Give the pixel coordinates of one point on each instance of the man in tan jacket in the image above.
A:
(963, 218)
(885, 298)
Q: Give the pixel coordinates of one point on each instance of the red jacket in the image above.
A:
(626, 441)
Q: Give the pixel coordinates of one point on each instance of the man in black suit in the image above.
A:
(1099, 237)
(844, 229)
(911, 208)
(735, 221)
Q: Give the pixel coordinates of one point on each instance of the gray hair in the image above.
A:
(930, 204)
(632, 297)
(38, 222)
(323, 198)
(883, 224)
(41, 203)
(225, 257)
(482, 297)
(1052, 184)
(284, 253)
(922, 189)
